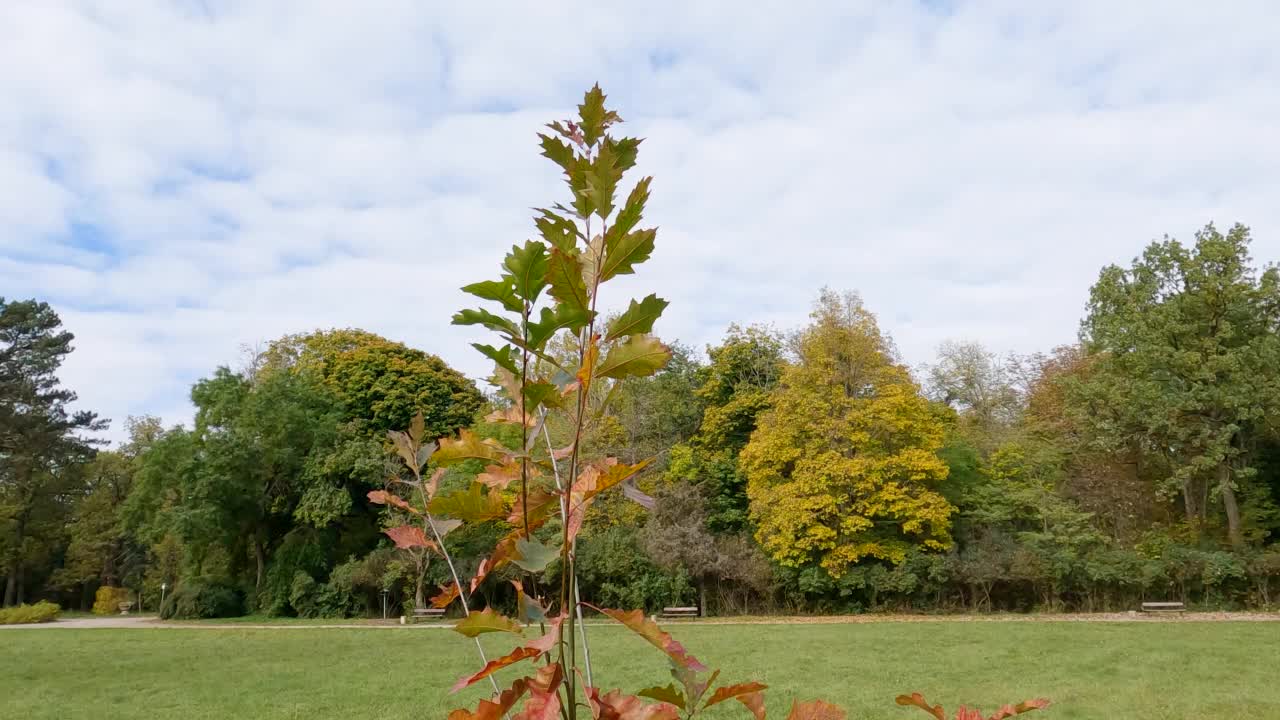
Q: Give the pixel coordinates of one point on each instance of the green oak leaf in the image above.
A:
(625, 150)
(638, 318)
(595, 118)
(528, 268)
(559, 152)
(501, 356)
(552, 321)
(541, 394)
(487, 319)
(639, 356)
(471, 505)
(557, 230)
(487, 621)
(668, 694)
(633, 209)
(468, 446)
(602, 176)
(564, 273)
(533, 555)
(497, 290)
(623, 252)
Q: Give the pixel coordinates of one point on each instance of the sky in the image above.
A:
(184, 179)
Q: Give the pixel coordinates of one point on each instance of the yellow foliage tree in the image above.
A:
(842, 468)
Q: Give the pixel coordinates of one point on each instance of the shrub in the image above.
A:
(107, 600)
(613, 568)
(304, 550)
(203, 597)
(43, 611)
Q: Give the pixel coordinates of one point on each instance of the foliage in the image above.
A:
(41, 612)
(614, 568)
(1186, 344)
(844, 466)
(964, 713)
(978, 385)
(40, 436)
(380, 382)
(572, 380)
(677, 537)
(107, 600)
(736, 388)
(203, 597)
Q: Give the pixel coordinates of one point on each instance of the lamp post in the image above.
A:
(163, 587)
(384, 603)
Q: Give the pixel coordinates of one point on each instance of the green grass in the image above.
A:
(1152, 671)
(278, 620)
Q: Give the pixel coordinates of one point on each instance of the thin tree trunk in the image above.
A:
(1191, 500)
(260, 557)
(11, 584)
(419, 583)
(1229, 503)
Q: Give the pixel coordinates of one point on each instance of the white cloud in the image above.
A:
(253, 169)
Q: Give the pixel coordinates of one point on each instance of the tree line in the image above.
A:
(801, 470)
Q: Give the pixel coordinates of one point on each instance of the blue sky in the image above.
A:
(183, 180)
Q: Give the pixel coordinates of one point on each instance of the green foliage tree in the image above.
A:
(100, 550)
(1187, 348)
(270, 484)
(845, 466)
(379, 382)
(736, 387)
(41, 441)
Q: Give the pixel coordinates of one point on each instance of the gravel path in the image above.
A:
(150, 622)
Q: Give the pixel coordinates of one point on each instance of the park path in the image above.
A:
(151, 622)
(111, 621)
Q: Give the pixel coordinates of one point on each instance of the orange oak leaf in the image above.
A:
(728, 692)
(649, 630)
(382, 497)
(815, 710)
(490, 710)
(408, 536)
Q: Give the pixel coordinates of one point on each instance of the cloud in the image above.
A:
(182, 179)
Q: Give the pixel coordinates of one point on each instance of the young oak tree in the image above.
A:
(844, 466)
(549, 288)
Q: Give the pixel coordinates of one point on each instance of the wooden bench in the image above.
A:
(681, 612)
(1158, 607)
(428, 613)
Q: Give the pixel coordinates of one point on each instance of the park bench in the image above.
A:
(428, 613)
(1157, 607)
(680, 612)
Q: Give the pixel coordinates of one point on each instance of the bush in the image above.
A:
(304, 550)
(107, 600)
(203, 597)
(614, 570)
(43, 611)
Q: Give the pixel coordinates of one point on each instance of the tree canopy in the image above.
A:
(844, 466)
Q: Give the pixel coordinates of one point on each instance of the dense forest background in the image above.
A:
(794, 470)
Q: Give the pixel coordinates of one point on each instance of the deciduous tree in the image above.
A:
(1188, 352)
(845, 465)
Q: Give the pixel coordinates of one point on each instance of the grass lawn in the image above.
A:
(1103, 671)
